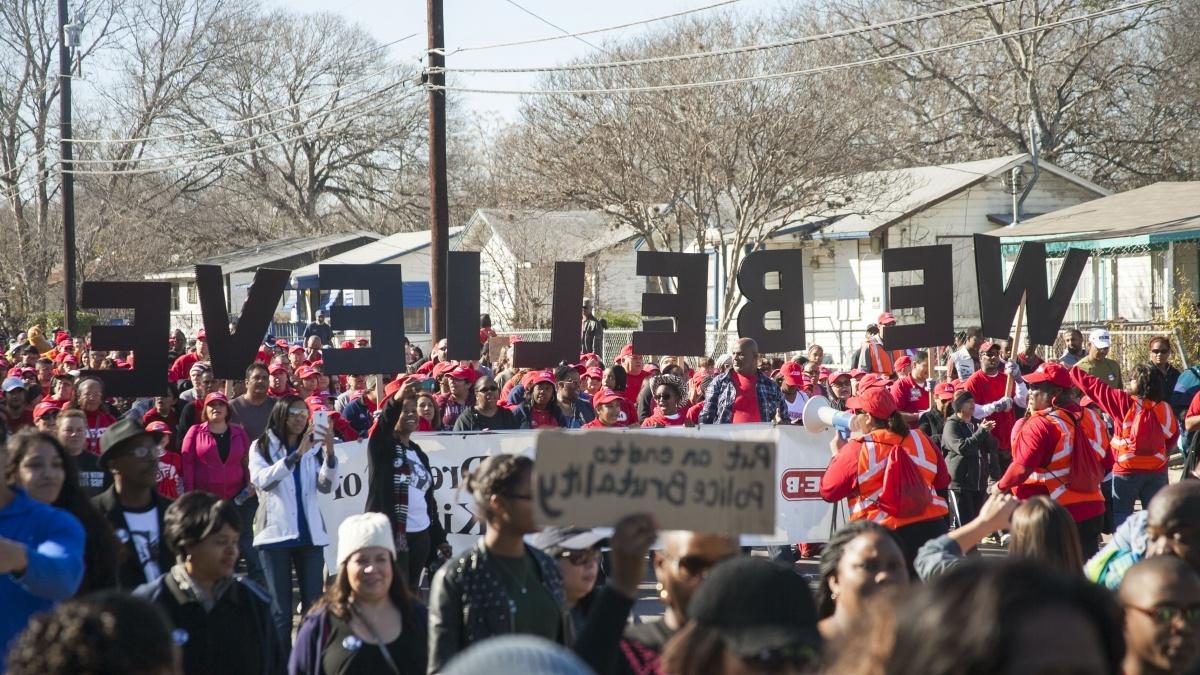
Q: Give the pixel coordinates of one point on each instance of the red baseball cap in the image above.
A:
(305, 372)
(1054, 373)
(318, 364)
(651, 367)
(159, 427)
(216, 397)
(838, 374)
(201, 334)
(627, 350)
(857, 373)
(281, 343)
(45, 407)
(876, 402)
(944, 391)
(277, 368)
(886, 319)
(514, 339)
(872, 381)
(315, 403)
(903, 362)
(595, 372)
(347, 344)
(442, 368)
(296, 349)
(604, 396)
(390, 389)
(988, 345)
(538, 377)
(362, 341)
(793, 373)
(463, 373)
(584, 358)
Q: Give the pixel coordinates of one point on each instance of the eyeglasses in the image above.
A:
(142, 452)
(581, 558)
(1168, 613)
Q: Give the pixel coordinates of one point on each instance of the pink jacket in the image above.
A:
(202, 468)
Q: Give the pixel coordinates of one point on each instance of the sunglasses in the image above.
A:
(1160, 351)
(298, 412)
(695, 565)
(1168, 613)
(664, 396)
(581, 558)
(488, 389)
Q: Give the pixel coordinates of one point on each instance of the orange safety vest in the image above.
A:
(1053, 478)
(872, 460)
(1122, 442)
(1096, 431)
(879, 360)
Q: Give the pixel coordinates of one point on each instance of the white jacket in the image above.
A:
(276, 519)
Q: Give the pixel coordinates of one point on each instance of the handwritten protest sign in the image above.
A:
(592, 479)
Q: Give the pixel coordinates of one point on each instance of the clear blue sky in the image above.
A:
(479, 22)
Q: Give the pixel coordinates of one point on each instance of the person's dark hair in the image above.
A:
(694, 650)
(1149, 383)
(43, 361)
(674, 369)
(961, 398)
(987, 604)
(497, 475)
(277, 425)
(895, 424)
(831, 557)
(194, 517)
(920, 357)
(1044, 532)
(101, 550)
(619, 377)
(485, 321)
(436, 423)
(107, 633)
(256, 365)
(562, 372)
(337, 596)
(1157, 339)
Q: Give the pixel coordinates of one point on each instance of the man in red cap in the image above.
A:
(296, 357)
(607, 404)
(1047, 447)
(281, 383)
(988, 386)
(306, 381)
(183, 365)
(635, 374)
(792, 386)
(911, 390)
(459, 398)
(872, 357)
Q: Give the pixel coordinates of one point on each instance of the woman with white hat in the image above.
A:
(368, 622)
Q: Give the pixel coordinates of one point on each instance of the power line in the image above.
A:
(738, 50)
(269, 113)
(220, 158)
(811, 71)
(594, 31)
(562, 30)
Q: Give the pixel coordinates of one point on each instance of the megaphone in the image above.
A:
(818, 416)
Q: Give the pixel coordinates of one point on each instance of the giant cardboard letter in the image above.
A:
(687, 305)
(462, 322)
(935, 295)
(788, 299)
(151, 304)
(231, 353)
(998, 302)
(384, 317)
(564, 322)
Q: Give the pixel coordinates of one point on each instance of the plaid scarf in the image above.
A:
(400, 477)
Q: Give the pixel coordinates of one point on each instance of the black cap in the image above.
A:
(119, 435)
(759, 607)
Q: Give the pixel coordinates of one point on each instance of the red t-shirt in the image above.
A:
(541, 418)
(911, 396)
(745, 401)
(595, 424)
(633, 386)
(25, 419)
(170, 480)
(989, 389)
(628, 416)
(98, 422)
(659, 419)
(1194, 407)
(1032, 448)
(181, 369)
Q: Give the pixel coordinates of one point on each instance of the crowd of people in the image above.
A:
(181, 533)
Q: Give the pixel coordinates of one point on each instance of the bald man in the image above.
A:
(1169, 527)
(743, 394)
(1161, 597)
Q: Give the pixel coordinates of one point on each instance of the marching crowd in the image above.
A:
(181, 533)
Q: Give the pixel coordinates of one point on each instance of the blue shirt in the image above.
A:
(54, 546)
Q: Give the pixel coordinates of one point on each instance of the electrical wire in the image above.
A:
(222, 123)
(594, 31)
(555, 26)
(221, 158)
(806, 71)
(735, 50)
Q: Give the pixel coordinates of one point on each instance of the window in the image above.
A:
(192, 297)
(416, 320)
(174, 298)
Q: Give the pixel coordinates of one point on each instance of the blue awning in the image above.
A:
(416, 293)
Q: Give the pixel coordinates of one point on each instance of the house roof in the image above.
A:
(573, 234)
(264, 254)
(901, 193)
(379, 251)
(1155, 213)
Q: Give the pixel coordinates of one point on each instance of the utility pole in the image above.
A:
(439, 204)
(66, 166)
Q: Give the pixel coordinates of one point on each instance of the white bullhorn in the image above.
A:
(818, 416)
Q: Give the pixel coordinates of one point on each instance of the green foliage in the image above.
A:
(1183, 320)
(622, 319)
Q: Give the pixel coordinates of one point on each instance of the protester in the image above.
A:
(108, 633)
(933, 421)
(857, 473)
(41, 556)
(180, 370)
(1160, 358)
(429, 417)
(320, 328)
(592, 331)
(635, 374)
(669, 397)
(368, 621)
(608, 405)
(1097, 364)
(970, 456)
(18, 414)
(40, 465)
(751, 616)
(577, 552)
(222, 622)
(793, 388)
(72, 433)
(861, 562)
(1146, 430)
(1170, 525)
(361, 406)
(486, 414)
(911, 390)
(965, 361)
(400, 486)
(540, 410)
(288, 466)
(951, 550)
(743, 394)
(1161, 598)
(1075, 351)
(132, 504)
(253, 409)
(460, 397)
(45, 415)
(1014, 617)
(989, 387)
(872, 357)
(576, 411)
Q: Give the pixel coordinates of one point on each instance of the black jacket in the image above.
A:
(931, 423)
(523, 414)
(592, 340)
(472, 420)
(381, 451)
(130, 573)
(970, 450)
(238, 637)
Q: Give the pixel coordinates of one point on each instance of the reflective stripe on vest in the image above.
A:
(872, 460)
(1053, 478)
(1127, 457)
(880, 359)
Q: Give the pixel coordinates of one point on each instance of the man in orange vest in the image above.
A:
(1045, 449)
(872, 357)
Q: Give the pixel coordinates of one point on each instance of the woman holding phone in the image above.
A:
(289, 464)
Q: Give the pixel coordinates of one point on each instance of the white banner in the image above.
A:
(801, 514)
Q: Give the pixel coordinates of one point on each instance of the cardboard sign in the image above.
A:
(593, 478)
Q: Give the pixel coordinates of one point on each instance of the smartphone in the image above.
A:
(320, 424)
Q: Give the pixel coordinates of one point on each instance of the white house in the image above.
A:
(410, 250)
(518, 249)
(238, 268)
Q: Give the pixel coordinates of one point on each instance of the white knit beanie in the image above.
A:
(361, 531)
